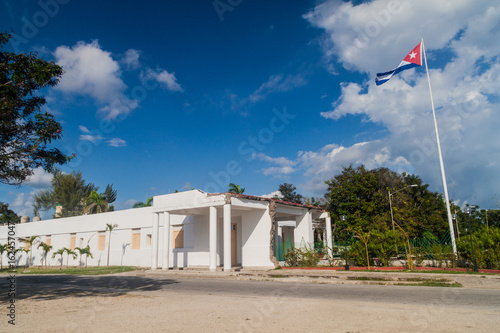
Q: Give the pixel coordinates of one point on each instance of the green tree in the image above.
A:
(69, 253)
(384, 244)
(25, 250)
(96, 203)
(31, 241)
(233, 188)
(288, 193)
(110, 228)
(26, 132)
(363, 196)
(7, 215)
(84, 251)
(3, 249)
(140, 204)
(486, 243)
(70, 191)
(46, 249)
(61, 253)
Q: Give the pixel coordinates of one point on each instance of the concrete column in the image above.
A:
(154, 242)
(328, 222)
(227, 237)
(310, 223)
(213, 239)
(166, 241)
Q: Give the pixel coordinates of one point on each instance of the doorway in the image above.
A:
(234, 244)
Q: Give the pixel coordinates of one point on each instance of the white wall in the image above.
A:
(303, 233)
(251, 216)
(87, 228)
(256, 228)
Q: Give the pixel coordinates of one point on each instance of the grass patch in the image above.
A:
(449, 272)
(277, 276)
(72, 271)
(366, 278)
(431, 283)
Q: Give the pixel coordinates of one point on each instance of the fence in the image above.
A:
(430, 247)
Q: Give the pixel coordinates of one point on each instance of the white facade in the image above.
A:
(205, 230)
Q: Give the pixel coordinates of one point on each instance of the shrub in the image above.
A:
(301, 257)
(486, 248)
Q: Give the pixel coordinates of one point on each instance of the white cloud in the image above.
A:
(91, 138)
(285, 166)
(163, 77)
(374, 36)
(131, 59)
(23, 204)
(465, 89)
(89, 70)
(273, 194)
(40, 179)
(83, 129)
(283, 161)
(97, 138)
(116, 142)
(277, 83)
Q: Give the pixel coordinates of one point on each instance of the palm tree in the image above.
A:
(24, 250)
(96, 203)
(32, 240)
(233, 188)
(68, 251)
(140, 204)
(3, 248)
(61, 252)
(110, 228)
(84, 251)
(46, 250)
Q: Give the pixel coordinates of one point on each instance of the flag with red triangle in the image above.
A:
(413, 59)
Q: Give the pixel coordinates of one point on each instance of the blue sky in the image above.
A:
(180, 94)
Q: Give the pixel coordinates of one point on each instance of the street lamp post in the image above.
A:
(454, 216)
(467, 211)
(346, 267)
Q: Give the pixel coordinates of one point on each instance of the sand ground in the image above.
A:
(184, 311)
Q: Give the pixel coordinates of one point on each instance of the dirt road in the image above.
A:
(145, 304)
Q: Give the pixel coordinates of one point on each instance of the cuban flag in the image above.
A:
(413, 59)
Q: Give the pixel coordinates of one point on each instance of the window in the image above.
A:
(81, 243)
(136, 239)
(72, 242)
(148, 239)
(48, 240)
(102, 240)
(178, 237)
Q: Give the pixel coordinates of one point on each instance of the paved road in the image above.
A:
(179, 304)
(48, 287)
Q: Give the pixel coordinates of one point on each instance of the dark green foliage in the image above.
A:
(26, 132)
(70, 191)
(7, 215)
(383, 245)
(288, 193)
(363, 196)
(233, 188)
(486, 248)
(140, 204)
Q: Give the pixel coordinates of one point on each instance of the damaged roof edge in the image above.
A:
(253, 197)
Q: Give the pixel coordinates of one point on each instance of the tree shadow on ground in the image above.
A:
(49, 287)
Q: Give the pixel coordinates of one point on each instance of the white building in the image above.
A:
(204, 230)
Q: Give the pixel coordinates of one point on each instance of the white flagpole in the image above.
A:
(450, 220)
